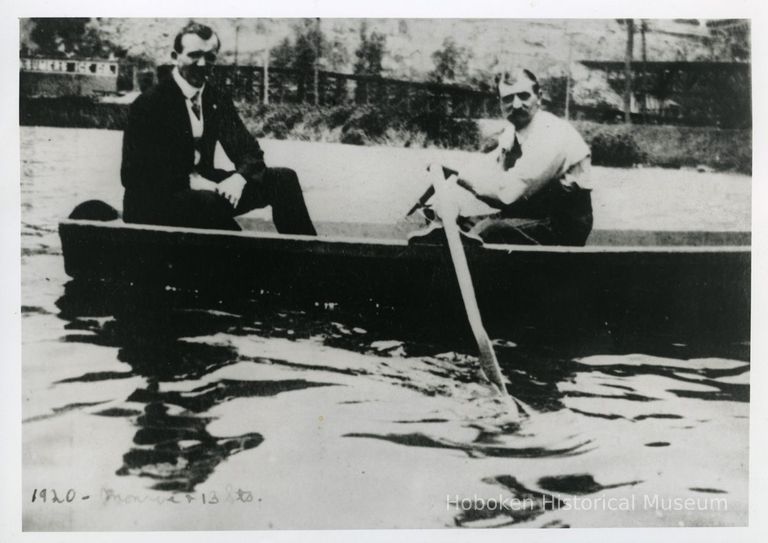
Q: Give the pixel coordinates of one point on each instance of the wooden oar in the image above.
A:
(448, 213)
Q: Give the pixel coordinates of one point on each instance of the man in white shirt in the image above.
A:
(539, 178)
(169, 146)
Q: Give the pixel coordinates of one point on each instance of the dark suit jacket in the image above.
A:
(159, 150)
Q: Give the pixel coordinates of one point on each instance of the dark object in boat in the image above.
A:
(94, 210)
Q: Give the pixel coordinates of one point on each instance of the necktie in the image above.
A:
(509, 158)
(196, 104)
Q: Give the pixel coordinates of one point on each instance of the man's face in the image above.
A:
(196, 58)
(519, 102)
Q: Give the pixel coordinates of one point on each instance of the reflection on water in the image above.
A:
(178, 451)
(182, 352)
(172, 443)
(479, 447)
(172, 446)
(484, 515)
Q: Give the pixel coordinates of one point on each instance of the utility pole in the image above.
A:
(628, 70)
(568, 73)
(237, 38)
(266, 76)
(644, 80)
(262, 28)
(317, 61)
(237, 43)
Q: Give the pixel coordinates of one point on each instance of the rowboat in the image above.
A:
(675, 283)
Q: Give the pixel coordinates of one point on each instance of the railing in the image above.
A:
(333, 89)
(688, 93)
(704, 93)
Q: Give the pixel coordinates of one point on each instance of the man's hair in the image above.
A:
(508, 78)
(204, 32)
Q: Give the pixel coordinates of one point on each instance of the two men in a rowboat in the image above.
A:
(539, 180)
(170, 143)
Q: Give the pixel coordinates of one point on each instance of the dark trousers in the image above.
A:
(278, 187)
(557, 216)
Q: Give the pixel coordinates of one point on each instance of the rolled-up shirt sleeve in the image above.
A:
(550, 148)
(540, 163)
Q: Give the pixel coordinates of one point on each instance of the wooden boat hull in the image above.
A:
(702, 290)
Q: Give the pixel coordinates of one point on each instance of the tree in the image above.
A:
(451, 63)
(370, 52)
(303, 54)
(307, 52)
(281, 56)
(335, 55)
(145, 43)
(72, 36)
(308, 45)
(58, 36)
(95, 44)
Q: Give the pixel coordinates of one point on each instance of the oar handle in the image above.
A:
(424, 198)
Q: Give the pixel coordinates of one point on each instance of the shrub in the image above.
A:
(402, 137)
(445, 131)
(72, 111)
(461, 134)
(616, 149)
(279, 122)
(338, 116)
(372, 122)
(353, 136)
(671, 146)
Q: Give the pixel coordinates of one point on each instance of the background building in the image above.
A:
(67, 77)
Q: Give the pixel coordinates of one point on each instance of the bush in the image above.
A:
(353, 136)
(673, 146)
(445, 131)
(616, 149)
(279, 122)
(338, 116)
(372, 122)
(460, 134)
(72, 112)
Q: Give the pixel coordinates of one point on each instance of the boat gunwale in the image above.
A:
(344, 240)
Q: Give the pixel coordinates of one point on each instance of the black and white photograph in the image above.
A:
(371, 273)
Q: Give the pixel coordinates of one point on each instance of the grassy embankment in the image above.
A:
(612, 145)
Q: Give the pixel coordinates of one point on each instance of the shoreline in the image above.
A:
(672, 146)
(379, 184)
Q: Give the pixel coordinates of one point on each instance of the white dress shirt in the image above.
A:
(191, 93)
(551, 149)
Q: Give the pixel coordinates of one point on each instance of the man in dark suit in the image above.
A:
(169, 145)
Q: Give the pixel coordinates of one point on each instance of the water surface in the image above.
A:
(325, 417)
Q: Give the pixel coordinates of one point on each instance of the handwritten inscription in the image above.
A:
(53, 495)
(228, 496)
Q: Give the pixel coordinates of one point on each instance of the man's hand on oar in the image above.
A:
(430, 192)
